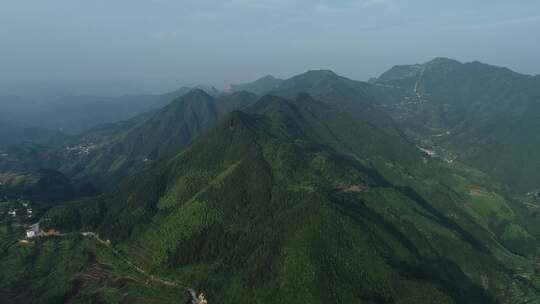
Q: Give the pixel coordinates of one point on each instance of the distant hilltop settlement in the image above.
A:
(34, 231)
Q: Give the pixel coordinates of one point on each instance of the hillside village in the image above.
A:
(81, 149)
(20, 214)
(18, 210)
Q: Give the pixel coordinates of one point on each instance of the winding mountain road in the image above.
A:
(417, 84)
(192, 293)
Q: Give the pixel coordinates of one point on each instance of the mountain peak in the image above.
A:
(267, 78)
(197, 94)
(211, 90)
(488, 68)
(322, 73)
(312, 78)
(442, 65)
(443, 61)
(260, 86)
(398, 72)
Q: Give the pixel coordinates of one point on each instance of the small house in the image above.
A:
(33, 231)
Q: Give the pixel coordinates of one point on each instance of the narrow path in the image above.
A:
(193, 294)
(531, 205)
(417, 84)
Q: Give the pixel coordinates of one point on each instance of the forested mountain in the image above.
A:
(315, 82)
(284, 212)
(105, 160)
(484, 114)
(260, 86)
(320, 190)
(479, 113)
(76, 114)
(109, 153)
(44, 186)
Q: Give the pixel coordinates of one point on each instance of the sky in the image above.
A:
(112, 47)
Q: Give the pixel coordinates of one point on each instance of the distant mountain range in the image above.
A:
(484, 114)
(259, 86)
(282, 186)
(417, 187)
(76, 114)
(477, 113)
(12, 135)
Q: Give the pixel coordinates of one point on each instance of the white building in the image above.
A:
(33, 231)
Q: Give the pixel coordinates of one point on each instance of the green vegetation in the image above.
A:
(312, 194)
(484, 113)
(75, 270)
(44, 186)
(71, 114)
(260, 86)
(105, 155)
(280, 214)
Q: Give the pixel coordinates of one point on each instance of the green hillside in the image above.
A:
(282, 214)
(75, 270)
(78, 114)
(485, 114)
(43, 186)
(106, 154)
(328, 190)
(110, 158)
(260, 86)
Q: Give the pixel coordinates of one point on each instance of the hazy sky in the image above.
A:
(120, 46)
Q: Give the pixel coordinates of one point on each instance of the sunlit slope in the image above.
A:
(264, 207)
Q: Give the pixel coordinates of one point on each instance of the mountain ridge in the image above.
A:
(323, 190)
(480, 112)
(260, 86)
(277, 179)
